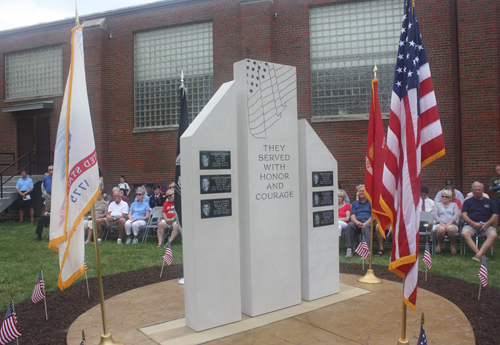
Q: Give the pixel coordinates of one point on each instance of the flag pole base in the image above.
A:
(403, 342)
(370, 278)
(107, 339)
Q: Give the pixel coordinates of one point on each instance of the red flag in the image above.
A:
(414, 139)
(375, 156)
(9, 330)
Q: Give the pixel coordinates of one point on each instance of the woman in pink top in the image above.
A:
(344, 211)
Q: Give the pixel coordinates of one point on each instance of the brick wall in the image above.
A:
(248, 29)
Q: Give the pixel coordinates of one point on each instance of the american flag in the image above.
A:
(375, 154)
(86, 267)
(168, 257)
(362, 249)
(427, 256)
(269, 88)
(483, 272)
(414, 139)
(9, 330)
(38, 294)
(422, 339)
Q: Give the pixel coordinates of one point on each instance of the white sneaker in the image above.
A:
(119, 241)
(129, 240)
(348, 253)
(135, 241)
(98, 240)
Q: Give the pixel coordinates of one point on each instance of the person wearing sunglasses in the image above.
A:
(169, 220)
(446, 216)
(137, 216)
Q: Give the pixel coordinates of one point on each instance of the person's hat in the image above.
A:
(145, 185)
(156, 187)
(163, 186)
(448, 182)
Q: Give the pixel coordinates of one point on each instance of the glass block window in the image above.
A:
(34, 73)
(347, 40)
(160, 56)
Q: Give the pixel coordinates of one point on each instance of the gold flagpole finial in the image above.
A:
(77, 22)
(375, 72)
(182, 78)
(422, 319)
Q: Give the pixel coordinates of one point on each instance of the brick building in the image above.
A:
(134, 56)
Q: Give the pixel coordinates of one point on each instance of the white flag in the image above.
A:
(75, 182)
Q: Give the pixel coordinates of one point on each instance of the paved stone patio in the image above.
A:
(359, 314)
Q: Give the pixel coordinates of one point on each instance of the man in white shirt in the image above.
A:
(426, 204)
(117, 214)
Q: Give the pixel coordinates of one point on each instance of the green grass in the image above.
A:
(457, 266)
(21, 257)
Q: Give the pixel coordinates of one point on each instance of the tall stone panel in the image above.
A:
(319, 238)
(268, 161)
(209, 176)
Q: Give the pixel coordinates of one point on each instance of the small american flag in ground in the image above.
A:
(362, 249)
(422, 339)
(427, 256)
(83, 342)
(38, 294)
(483, 272)
(86, 267)
(9, 330)
(168, 257)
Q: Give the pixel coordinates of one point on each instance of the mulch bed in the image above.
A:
(66, 306)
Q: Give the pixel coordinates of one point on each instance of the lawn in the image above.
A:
(21, 257)
(457, 266)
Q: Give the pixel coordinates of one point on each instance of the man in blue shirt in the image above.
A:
(24, 187)
(480, 214)
(361, 219)
(47, 188)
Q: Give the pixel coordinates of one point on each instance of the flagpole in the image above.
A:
(479, 295)
(370, 277)
(162, 268)
(13, 311)
(106, 338)
(87, 280)
(45, 297)
(403, 339)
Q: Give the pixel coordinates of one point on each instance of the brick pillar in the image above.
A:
(95, 37)
(256, 22)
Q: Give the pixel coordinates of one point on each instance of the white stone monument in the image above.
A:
(268, 162)
(319, 241)
(210, 208)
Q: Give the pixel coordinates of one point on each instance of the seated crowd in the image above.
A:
(476, 214)
(117, 211)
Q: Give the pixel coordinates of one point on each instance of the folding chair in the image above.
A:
(427, 220)
(152, 224)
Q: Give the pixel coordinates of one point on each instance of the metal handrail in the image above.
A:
(27, 166)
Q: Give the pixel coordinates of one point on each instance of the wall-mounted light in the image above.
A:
(275, 15)
(110, 36)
